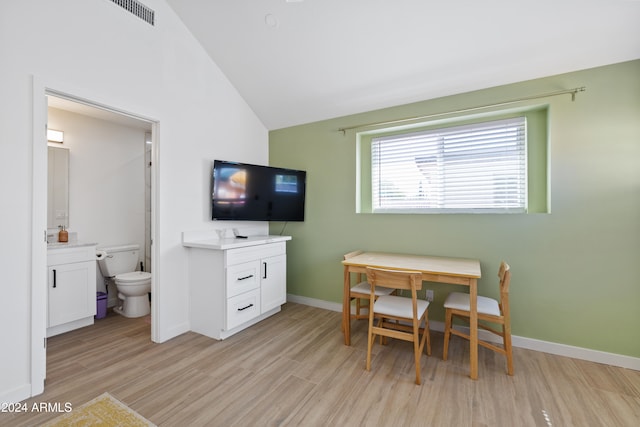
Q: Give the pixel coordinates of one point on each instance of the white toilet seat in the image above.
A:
(133, 277)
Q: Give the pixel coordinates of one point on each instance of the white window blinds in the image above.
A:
(471, 168)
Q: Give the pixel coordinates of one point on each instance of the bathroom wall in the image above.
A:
(106, 181)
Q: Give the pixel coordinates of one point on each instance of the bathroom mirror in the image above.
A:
(58, 188)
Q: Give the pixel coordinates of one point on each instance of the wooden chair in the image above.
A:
(406, 313)
(489, 311)
(362, 290)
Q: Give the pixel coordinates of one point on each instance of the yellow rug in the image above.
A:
(103, 411)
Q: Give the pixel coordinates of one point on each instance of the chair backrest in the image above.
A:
(351, 255)
(397, 279)
(504, 274)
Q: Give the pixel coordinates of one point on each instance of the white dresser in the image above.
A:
(235, 283)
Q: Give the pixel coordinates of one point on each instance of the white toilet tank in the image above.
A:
(119, 259)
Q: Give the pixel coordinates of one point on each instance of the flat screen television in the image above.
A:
(245, 192)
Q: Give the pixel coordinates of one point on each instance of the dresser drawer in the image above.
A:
(242, 255)
(242, 278)
(242, 308)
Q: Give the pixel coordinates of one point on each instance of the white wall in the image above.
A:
(106, 178)
(97, 51)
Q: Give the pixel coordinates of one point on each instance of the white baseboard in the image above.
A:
(327, 305)
(173, 332)
(590, 355)
(16, 395)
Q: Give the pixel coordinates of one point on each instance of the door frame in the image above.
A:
(41, 90)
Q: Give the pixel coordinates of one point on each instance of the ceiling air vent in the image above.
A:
(138, 9)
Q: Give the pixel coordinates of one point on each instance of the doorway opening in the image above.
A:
(108, 189)
(66, 104)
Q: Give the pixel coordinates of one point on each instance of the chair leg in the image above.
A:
(417, 351)
(383, 338)
(369, 343)
(428, 334)
(447, 333)
(508, 349)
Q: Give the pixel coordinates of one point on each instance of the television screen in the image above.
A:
(245, 192)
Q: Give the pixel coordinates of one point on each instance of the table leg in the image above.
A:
(473, 326)
(346, 307)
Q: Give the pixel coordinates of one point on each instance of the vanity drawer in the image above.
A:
(243, 308)
(70, 255)
(242, 278)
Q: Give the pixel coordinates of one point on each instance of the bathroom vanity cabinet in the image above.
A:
(71, 287)
(235, 283)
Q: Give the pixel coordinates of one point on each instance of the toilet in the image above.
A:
(118, 264)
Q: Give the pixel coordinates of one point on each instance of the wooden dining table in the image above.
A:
(456, 271)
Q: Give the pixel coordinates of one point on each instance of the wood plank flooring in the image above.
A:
(293, 369)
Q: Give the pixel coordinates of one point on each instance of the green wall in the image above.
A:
(576, 270)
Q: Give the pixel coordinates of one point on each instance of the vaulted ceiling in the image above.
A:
(300, 61)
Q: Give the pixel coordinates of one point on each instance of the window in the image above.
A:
(480, 167)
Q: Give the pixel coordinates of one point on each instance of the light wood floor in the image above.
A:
(293, 369)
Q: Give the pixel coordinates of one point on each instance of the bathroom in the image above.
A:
(109, 180)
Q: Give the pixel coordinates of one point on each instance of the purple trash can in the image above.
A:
(101, 305)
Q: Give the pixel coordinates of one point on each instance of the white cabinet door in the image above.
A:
(273, 284)
(70, 296)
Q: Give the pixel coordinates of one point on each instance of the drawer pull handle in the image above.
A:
(244, 308)
(245, 277)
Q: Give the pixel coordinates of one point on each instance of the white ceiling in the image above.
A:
(300, 61)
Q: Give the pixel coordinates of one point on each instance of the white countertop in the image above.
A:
(61, 245)
(207, 242)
